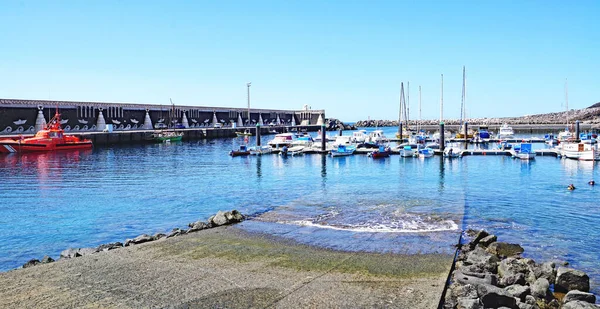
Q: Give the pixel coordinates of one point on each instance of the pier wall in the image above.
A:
(20, 116)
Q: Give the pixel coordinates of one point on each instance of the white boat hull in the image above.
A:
(581, 151)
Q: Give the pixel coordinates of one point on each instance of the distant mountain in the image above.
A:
(595, 105)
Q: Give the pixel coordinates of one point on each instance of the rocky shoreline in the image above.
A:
(219, 219)
(492, 274)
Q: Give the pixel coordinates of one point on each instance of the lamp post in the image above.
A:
(248, 85)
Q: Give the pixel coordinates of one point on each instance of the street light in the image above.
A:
(248, 85)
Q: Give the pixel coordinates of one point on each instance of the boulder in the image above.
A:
(234, 216)
(577, 304)
(579, 296)
(46, 259)
(198, 226)
(139, 240)
(494, 297)
(511, 279)
(158, 236)
(518, 291)
(480, 235)
(468, 303)
(482, 259)
(568, 279)
(218, 219)
(109, 246)
(475, 278)
(486, 241)
(175, 232)
(527, 306)
(31, 263)
(539, 289)
(463, 291)
(545, 270)
(503, 249)
(69, 253)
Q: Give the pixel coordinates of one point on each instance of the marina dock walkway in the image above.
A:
(228, 267)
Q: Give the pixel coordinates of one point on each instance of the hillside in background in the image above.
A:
(589, 115)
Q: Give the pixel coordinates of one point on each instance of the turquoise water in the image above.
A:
(50, 202)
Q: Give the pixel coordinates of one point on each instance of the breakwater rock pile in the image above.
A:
(219, 219)
(590, 115)
(491, 274)
(333, 124)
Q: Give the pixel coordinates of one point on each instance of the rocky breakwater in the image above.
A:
(333, 124)
(491, 274)
(219, 219)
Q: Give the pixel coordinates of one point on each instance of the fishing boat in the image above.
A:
(382, 152)
(343, 150)
(451, 152)
(524, 151)
(377, 137)
(580, 151)
(506, 132)
(242, 151)
(359, 136)
(260, 150)
(51, 138)
(483, 132)
(167, 136)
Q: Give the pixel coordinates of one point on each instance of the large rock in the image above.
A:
(539, 289)
(488, 240)
(480, 235)
(579, 305)
(568, 279)
(46, 259)
(503, 249)
(139, 240)
(494, 297)
(475, 278)
(224, 218)
(579, 296)
(545, 270)
(31, 263)
(463, 291)
(73, 253)
(483, 260)
(469, 303)
(511, 279)
(198, 226)
(518, 291)
(109, 246)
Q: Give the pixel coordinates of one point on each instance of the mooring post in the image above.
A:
(340, 132)
(466, 130)
(577, 130)
(442, 137)
(258, 134)
(323, 137)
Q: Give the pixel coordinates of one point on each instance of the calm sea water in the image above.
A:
(50, 202)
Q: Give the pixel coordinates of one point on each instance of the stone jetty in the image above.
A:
(492, 274)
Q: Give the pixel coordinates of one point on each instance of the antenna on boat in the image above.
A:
(419, 106)
(463, 113)
(400, 112)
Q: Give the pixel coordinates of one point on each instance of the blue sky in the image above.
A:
(347, 57)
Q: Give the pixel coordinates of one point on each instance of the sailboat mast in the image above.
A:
(400, 113)
(419, 106)
(567, 101)
(462, 104)
(407, 104)
(442, 101)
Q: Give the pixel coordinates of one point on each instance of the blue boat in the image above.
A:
(343, 150)
(483, 132)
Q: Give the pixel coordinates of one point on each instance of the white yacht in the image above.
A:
(506, 132)
(283, 139)
(377, 137)
(359, 136)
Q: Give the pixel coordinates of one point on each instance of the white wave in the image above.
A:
(406, 227)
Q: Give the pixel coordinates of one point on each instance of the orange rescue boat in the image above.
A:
(51, 138)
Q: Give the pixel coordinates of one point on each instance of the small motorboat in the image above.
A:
(260, 150)
(504, 145)
(343, 150)
(51, 138)
(524, 152)
(407, 151)
(167, 136)
(243, 151)
(382, 152)
(242, 134)
(425, 152)
(451, 152)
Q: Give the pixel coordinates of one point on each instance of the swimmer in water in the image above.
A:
(571, 187)
(592, 182)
